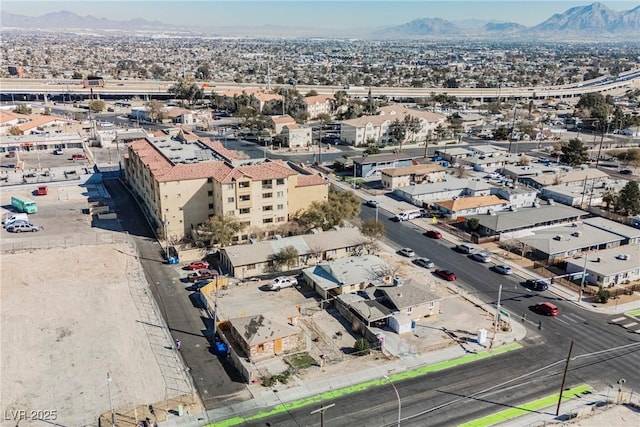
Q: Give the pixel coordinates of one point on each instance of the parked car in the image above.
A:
(282, 282)
(446, 275)
(199, 285)
(408, 252)
(547, 308)
(536, 285)
(19, 227)
(78, 157)
(626, 172)
(58, 151)
(434, 234)
(42, 190)
(372, 203)
(503, 269)
(202, 275)
(465, 249)
(480, 257)
(424, 262)
(197, 265)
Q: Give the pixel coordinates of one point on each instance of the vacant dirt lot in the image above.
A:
(69, 317)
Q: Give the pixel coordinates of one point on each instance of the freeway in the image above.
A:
(157, 88)
(603, 353)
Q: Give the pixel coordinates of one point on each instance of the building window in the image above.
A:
(409, 309)
(280, 181)
(267, 195)
(245, 210)
(280, 207)
(280, 219)
(210, 193)
(210, 205)
(231, 199)
(280, 193)
(231, 213)
(267, 220)
(267, 183)
(245, 198)
(210, 180)
(251, 266)
(244, 184)
(230, 186)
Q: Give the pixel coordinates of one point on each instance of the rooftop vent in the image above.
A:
(558, 237)
(398, 281)
(576, 234)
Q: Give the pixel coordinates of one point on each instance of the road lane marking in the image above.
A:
(628, 325)
(618, 319)
(560, 320)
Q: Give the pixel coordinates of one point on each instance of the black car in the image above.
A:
(626, 172)
(536, 285)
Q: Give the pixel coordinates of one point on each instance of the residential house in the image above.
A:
(409, 175)
(244, 261)
(9, 119)
(608, 267)
(463, 206)
(590, 193)
(347, 275)
(510, 224)
(367, 166)
(182, 180)
(296, 136)
(178, 115)
(450, 187)
(409, 301)
(377, 128)
(261, 337)
(567, 176)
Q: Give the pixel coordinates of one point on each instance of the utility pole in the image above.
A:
(513, 127)
(321, 411)
(113, 414)
(497, 319)
(564, 377)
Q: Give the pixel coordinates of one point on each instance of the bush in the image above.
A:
(362, 347)
(603, 295)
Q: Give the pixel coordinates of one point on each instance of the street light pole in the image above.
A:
(497, 319)
(398, 396)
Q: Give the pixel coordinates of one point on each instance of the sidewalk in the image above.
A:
(394, 206)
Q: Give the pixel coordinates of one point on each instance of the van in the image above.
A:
(465, 249)
(9, 219)
(407, 215)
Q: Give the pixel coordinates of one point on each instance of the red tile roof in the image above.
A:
(309, 180)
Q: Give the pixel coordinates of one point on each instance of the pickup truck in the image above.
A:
(201, 275)
(282, 282)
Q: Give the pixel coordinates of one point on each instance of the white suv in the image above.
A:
(19, 227)
(282, 282)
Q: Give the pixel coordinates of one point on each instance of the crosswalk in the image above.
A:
(627, 323)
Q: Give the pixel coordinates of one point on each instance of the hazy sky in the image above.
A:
(306, 13)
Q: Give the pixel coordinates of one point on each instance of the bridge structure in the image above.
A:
(20, 89)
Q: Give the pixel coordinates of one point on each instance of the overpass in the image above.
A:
(16, 89)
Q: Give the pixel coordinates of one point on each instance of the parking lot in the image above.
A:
(73, 297)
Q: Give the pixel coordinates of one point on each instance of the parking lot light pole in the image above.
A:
(398, 396)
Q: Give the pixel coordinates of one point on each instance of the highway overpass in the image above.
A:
(17, 89)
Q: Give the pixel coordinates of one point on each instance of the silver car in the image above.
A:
(408, 252)
(424, 262)
(481, 257)
(19, 227)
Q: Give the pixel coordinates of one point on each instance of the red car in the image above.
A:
(202, 275)
(547, 308)
(434, 234)
(197, 265)
(446, 275)
(78, 157)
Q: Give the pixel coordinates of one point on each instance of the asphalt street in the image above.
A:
(216, 380)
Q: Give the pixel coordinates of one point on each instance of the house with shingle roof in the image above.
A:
(264, 336)
(409, 175)
(182, 180)
(463, 206)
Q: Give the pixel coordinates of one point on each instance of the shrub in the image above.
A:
(362, 347)
(603, 295)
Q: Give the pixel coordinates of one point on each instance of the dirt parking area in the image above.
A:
(70, 316)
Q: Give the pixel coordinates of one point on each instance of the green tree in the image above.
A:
(219, 230)
(628, 202)
(15, 130)
(187, 90)
(97, 105)
(312, 92)
(203, 72)
(340, 206)
(77, 75)
(603, 295)
(362, 347)
(473, 224)
(574, 153)
(154, 110)
(287, 256)
(609, 198)
(22, 109)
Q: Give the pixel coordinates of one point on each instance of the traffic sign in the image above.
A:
(504, 313)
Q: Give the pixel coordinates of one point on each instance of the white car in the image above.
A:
(282, 282)
(503, 269)
(408, 252)
(424, 262)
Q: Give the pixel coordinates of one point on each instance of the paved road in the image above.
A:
(603, 353)
(217, 383)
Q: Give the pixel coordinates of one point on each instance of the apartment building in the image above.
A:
(182, 181)
(319, 104)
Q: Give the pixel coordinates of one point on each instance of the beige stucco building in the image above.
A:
(416, 174)
(183, 180)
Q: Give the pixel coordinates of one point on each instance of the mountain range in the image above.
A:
(595, 21)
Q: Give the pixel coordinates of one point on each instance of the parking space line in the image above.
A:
(618, 319)
(628, 325)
